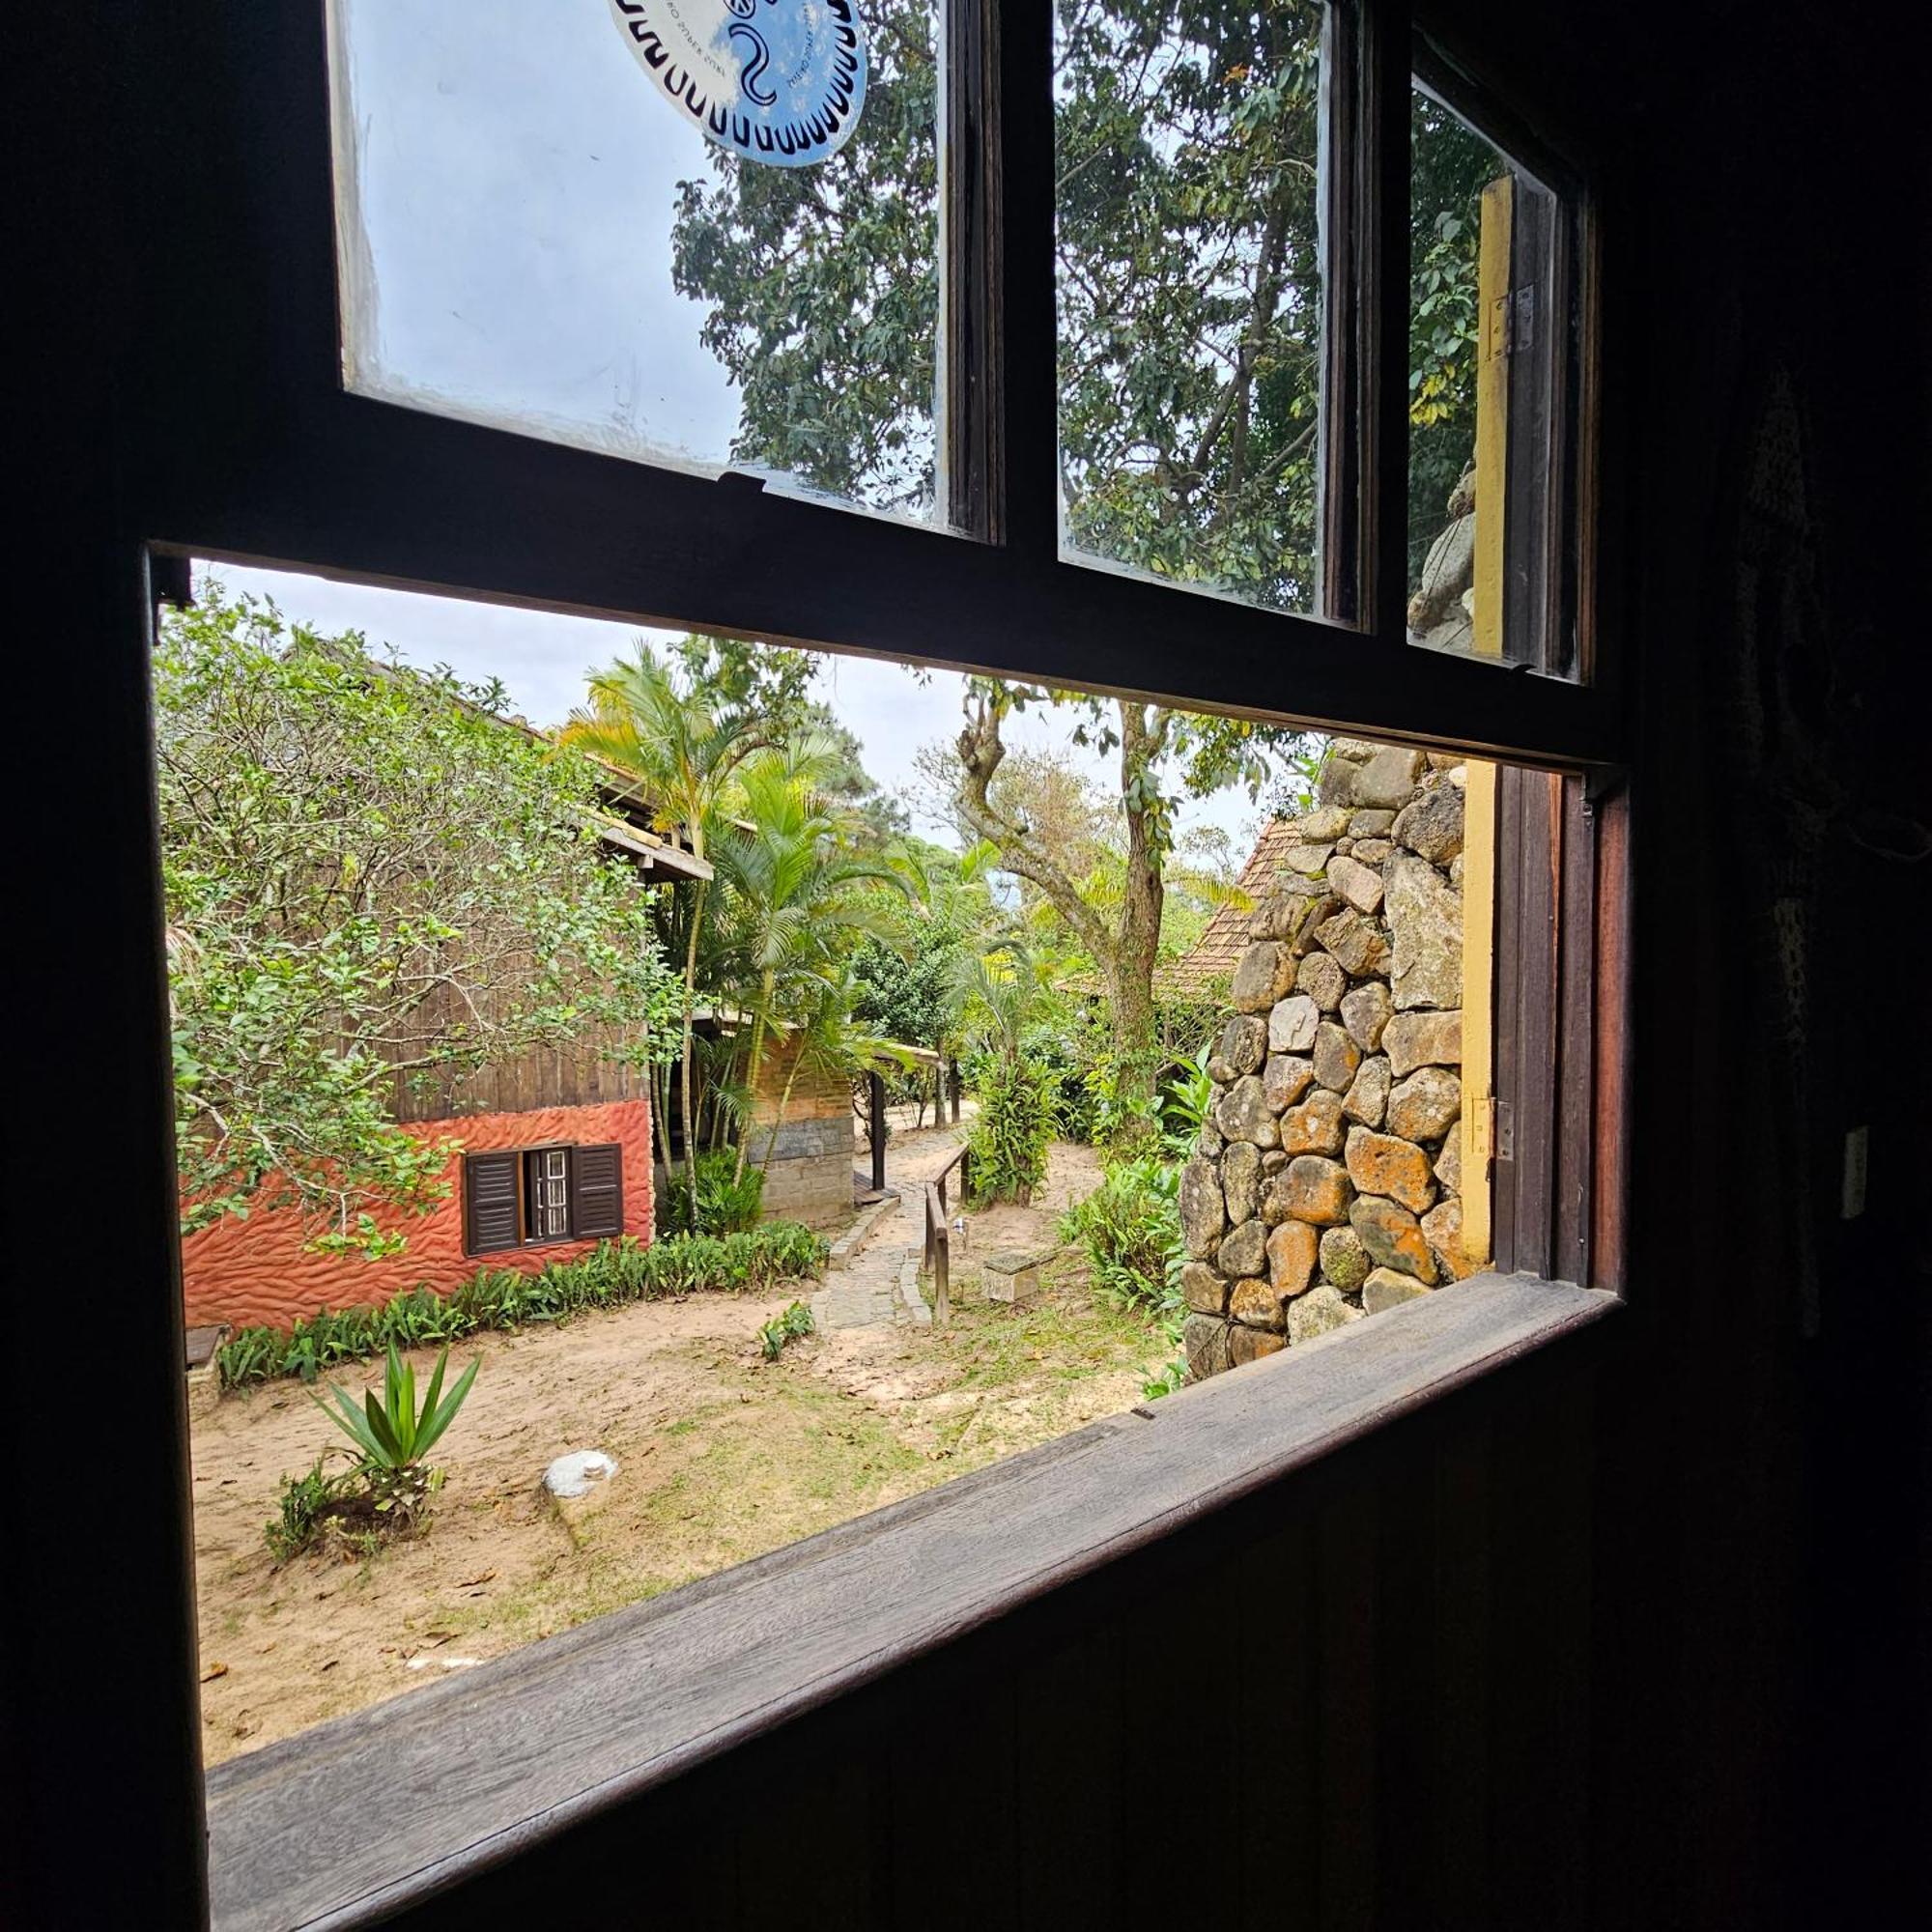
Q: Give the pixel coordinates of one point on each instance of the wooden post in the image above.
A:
(939, 1237)
(1477, 1127)
(875, 1128)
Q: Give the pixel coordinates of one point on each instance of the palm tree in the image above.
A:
(801, 896)
(681, 756)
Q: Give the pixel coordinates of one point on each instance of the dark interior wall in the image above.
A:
(1629, 1642)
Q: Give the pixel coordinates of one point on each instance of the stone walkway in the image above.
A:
(862, 1291)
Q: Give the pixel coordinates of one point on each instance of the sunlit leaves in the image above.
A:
(371, 880)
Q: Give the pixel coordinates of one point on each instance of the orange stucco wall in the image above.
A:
(256, 1271)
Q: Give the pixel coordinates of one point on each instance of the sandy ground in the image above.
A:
(721, 1456)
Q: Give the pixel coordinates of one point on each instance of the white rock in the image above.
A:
(579, 1473)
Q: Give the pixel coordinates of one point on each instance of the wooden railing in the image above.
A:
(939, 1232)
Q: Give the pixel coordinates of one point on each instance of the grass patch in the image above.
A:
(1068, 1335)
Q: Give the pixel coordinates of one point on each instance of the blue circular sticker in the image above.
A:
(777, 81)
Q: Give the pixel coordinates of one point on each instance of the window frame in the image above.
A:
(521, 1154)
(233, 438)
(306, 477)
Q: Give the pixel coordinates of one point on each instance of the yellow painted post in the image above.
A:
(1479, 992)
(1492, 308)
(1479, 795)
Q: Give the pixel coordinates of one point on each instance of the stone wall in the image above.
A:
(1326, 1183)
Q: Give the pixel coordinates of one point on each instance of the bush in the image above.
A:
(393, 1438)
(1130, 1230)
(1129, 1227)
(727, 1204)
(751, 1262)
(792, 1325)
(1013, 1133)
(305, 1506)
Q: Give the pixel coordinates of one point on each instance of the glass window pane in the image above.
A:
(1488, 361)
(533, 235)
(1188, 199)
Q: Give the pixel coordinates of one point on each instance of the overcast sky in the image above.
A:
(541, 659)
(514, 183)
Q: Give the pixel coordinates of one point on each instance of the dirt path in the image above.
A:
(721, 1456)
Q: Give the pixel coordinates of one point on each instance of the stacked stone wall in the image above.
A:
(1326, 1181)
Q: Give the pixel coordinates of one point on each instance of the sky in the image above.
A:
(542, 659)
(510, 191)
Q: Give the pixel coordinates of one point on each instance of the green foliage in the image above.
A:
(615, 1273)
(793, 1324)
(304, 1505)
(1187, 1101)
(1013, 1131)
(728, 1201)
(1131, 1229)
(1129, 1226)
(819, 287)
(1451, 164)
(393, 1435)
(369, 879)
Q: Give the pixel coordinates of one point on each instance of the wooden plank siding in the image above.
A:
(590, 1070)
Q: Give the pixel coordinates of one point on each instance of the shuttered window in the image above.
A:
(492, 1216)
(597, 1191)
(515, 1197)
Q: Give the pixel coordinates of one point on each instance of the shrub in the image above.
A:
(393, 1438)
(727, 1202)
(793, 1324)
(305, 1506)
(751, 1262)
(1130, 1230)
(1014, 1127)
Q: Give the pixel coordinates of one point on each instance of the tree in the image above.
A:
(1186, 193)
(368, 877)
(682, 754)
(821, 285)
(772, 683)
(1163, 755)
(798, 899)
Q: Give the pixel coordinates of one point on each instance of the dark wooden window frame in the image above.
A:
(233, 438)
(520, 1156)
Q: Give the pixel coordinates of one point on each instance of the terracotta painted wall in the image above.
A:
(256, 1271)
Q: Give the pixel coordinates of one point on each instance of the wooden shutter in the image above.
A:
(597, 1191)
(489, 1216)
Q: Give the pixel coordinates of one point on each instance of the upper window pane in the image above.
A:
(533, 235)
(1187, 184)
(1490, 327)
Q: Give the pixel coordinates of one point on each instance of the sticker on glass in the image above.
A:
(777, 81)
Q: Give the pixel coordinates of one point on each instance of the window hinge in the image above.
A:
(1504, 1132)
(1482, 1126)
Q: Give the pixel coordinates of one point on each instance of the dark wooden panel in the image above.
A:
(626, 1703)
(1572, 1154)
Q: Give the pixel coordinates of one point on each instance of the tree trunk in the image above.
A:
(690, 1030)
(753, 1066)
(1137, 945)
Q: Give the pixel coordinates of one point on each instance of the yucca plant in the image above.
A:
(392, 1436)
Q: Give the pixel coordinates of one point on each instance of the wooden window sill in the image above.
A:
(483, 1765)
